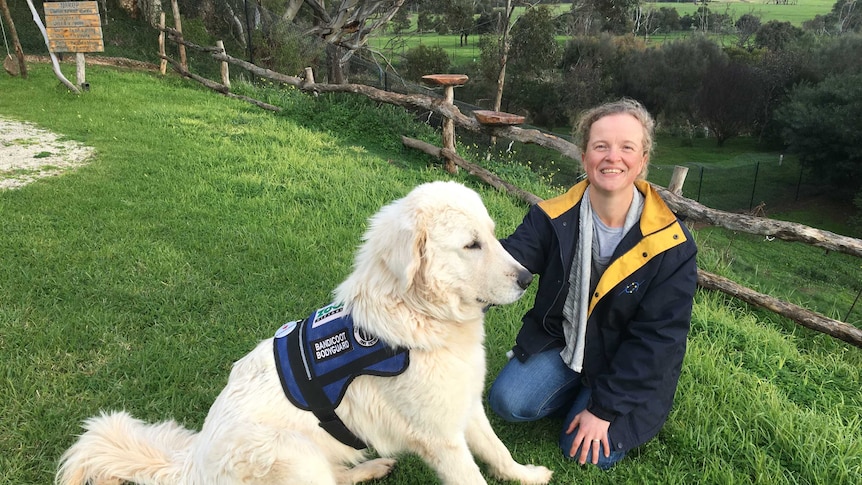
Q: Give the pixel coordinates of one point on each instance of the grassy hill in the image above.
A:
(203, 223)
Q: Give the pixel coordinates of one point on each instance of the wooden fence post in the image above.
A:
(178, 24)
(678, 179)
(163, 64)
(81, 70)
(225, 72)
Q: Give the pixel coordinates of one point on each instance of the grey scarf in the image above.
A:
(578, 299)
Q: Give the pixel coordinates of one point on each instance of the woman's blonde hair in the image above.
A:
(623, 106)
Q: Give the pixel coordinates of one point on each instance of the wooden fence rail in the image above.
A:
(687, 208)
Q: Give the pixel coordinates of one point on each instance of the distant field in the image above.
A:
(801, 11)
(795, 14)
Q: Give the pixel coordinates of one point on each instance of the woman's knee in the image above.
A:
(500, 400)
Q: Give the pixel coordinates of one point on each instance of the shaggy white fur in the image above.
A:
(428, 266)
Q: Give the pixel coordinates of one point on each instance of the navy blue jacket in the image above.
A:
(638, 318)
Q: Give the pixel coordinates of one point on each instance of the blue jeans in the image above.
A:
(544, 386)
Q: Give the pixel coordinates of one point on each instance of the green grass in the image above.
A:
(459, 55)
(202, 223)
(795, 14)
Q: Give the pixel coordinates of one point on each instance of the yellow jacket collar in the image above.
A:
(656, 215)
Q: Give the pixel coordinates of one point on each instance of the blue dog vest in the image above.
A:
(318, 357)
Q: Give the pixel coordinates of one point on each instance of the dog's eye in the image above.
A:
(474, 245)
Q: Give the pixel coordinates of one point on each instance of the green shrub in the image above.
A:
(423, 60)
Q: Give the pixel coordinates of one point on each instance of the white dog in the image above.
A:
(428, 268)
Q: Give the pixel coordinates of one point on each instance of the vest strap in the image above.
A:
(335, 426)
(323, 409)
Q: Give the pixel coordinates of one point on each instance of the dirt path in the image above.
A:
(28, 153)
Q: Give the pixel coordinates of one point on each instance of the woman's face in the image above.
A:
(614, 155)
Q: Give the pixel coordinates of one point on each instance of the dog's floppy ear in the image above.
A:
(399, 238)
(408, 251)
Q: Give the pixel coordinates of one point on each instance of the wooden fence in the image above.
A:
(691, 210)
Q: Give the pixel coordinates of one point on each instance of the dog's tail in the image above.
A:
(117, 448)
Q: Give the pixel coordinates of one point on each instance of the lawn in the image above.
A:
(203, 223)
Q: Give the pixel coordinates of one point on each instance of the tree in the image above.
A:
(459, 17)
(532, 62)
(586, 80)
(534, 47)
(151, 10)
(400, 21)
(425, 22)
(645, 21)
(729, 98)
(847, 15)
(775, 35)
(667, 78)
(702, 18)
(820, 124)
(346, 28)
(19, 52)
(584, 19)
(486, 22)
(667, 19)
(820, 25)
(746, 26)
(616, 14)
(503, 50)
(779, 71)
(343, 26)
(838, 55)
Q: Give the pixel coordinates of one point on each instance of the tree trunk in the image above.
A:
(504, 59)
(334, 54)
(151, 10)
(19, 53)
(234, 20)
(504, 56)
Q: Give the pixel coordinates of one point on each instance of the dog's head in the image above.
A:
(436, 250)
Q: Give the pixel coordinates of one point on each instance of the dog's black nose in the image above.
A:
(524, 279)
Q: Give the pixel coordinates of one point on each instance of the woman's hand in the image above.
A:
(592, 433)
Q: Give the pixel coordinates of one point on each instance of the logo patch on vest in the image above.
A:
(327, 314)
(317, 358)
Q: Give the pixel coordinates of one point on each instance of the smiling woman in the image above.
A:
(28, 153)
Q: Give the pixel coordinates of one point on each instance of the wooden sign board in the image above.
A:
(73, 27)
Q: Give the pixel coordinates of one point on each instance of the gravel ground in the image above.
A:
(28, 153)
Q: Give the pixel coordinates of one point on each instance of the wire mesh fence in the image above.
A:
(745, 186)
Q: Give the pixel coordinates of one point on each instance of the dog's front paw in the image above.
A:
(535, 475)
(371, 470)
